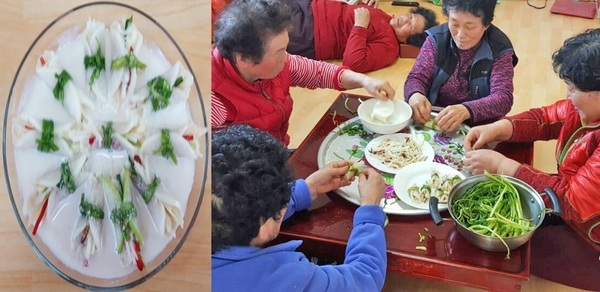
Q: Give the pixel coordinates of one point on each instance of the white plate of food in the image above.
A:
(414, 184)
(391, 153)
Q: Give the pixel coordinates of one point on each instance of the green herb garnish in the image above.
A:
(355, 129)
(125, 211)
(107, 132)
(59, 88)
(128, 61)
(150, 190)
(178, 81)
(166, 148)
(66, 178)
(128, 22)
(95, 61)
(160, 93)
(88, 209)
(46, 143)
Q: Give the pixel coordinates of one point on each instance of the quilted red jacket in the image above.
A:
(577, 183)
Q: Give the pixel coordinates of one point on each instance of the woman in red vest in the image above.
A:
(252, 73)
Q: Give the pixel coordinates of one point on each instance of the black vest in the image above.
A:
(493, 43)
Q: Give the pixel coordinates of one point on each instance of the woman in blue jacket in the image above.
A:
(251, 196)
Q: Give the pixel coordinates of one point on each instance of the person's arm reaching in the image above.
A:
(365, 54)
(313, 74)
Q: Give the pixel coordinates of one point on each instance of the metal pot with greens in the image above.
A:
(495, 212)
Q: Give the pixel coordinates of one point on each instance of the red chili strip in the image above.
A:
(39, 219)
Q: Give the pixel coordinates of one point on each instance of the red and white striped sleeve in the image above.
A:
(218, 111)
(314, 74)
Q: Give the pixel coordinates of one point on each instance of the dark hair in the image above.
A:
(479, 8)
(418, 39)
(251, 182)
(578, 60)
(246, 26)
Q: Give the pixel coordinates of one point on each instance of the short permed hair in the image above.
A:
(578, 60)
(246, 26)
(418, 39)
(251, 182)
(480, 8)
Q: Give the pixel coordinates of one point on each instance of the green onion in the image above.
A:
(128, 61)
(150, 190)
(107, 133)
(59, 88)
(46, 143)
(128, 22)
(95, 61)
(160, 93)
(178, 81)
(88, 209)
(66, 178)
(166, 148)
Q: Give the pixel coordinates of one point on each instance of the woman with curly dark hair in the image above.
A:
(561, 254)
(253, 191)
(465, 65)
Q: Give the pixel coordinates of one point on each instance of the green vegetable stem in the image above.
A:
(166, 148)
(107, 132)
(59, 88)
(46, 143)
(160, 92)
(124, 213)
(129, 61)
(66, 178)
(90, 210)
(95, 61)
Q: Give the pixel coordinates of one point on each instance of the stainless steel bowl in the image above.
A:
(531, 202)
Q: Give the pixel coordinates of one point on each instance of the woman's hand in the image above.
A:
(479, 137)
(376, 87)
(421, 107)
(362, 17)
(450, 118)
(478, 161)
(329, 178)
(372, 3)
(371, 187)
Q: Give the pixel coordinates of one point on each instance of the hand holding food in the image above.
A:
(421, 108)
(371, 187)
(451, 117)
(378, 88)
(479, 161)
(478, 137)
(328, 178)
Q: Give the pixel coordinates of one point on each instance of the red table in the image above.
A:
(326, 227)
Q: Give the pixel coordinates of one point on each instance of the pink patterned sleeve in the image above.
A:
(218, 111)
(314, 74)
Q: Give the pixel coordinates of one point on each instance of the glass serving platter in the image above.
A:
(52, 222)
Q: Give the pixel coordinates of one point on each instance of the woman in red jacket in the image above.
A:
(557, 255)
(363, 37)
